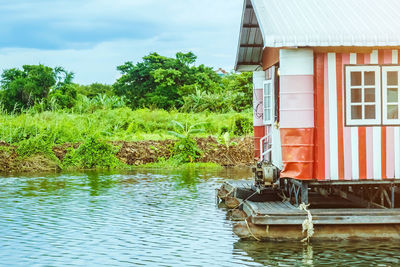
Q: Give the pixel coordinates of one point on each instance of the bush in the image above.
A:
(92, 154)
(242, 125)
(185, 149)
(39, 144)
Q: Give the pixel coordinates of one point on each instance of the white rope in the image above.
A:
(229, 193)
(308, 223)
(248, 228)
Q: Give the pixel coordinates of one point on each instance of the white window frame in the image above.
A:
(378, 105)
(268, 121)
(385, 70)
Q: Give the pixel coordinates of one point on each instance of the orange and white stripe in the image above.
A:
(350, 153)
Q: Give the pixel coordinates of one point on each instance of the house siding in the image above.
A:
(350, 153)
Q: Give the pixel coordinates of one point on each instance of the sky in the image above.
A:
(92, 37)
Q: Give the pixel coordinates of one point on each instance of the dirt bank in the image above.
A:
(238, 153)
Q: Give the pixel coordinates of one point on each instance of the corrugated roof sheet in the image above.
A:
(313, 23)
(329, 22)
(251, 42)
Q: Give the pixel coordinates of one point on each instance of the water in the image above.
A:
(147, 218)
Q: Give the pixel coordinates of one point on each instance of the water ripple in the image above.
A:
(145, 218)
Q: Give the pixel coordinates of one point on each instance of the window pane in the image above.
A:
(370, 112)
(356, 113)
(369, 95)
(356, 95)
(392, 112)
(355, 78)
(268, 101)
(392, 95)
(392, 78)
(369, 78)
(267, 114)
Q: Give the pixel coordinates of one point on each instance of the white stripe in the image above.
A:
(354, 153)
(395, 56)
(374, 57)
(376, 136)
(377, 152)
(333, 131)
(354, 138)
(353, 58)
(395, 60)
(397, 153)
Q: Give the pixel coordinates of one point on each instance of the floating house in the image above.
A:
(326, 80)
(326, 86)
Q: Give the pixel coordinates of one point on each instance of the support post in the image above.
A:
(304, 193)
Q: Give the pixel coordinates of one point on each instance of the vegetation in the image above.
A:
(157, 99)
(111, 125)
(185, 149)
(161, 82)
(93, 153)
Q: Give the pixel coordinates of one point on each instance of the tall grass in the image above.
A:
(109, 124)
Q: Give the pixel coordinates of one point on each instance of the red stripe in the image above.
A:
(339, 90)
(362, 151)
(381, 59)
(319, 167)
(362, 138)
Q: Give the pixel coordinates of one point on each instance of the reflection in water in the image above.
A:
(99, 183)
(337, 253)
(153, 218)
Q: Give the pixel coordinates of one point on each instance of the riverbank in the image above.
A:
(238, 152)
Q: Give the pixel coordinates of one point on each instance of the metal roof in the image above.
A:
(251, 42)
(313, 23)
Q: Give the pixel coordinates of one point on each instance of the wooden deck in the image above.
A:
(244, 184)
(284, 213)
(264, 217)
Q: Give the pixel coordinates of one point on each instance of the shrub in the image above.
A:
(39, 144)
(92, 154)
(242, 125)
(185, 149)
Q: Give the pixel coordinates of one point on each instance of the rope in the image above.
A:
(307, 224)
(240, 203)
(229, 193)
(248, 228)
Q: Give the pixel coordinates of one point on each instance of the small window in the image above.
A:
(268, 102)
(390, 94)
(363, 95)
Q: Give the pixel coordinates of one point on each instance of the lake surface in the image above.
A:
(147, 218)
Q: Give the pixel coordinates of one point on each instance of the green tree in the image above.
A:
(241, 84)
(64, 92)
(162, 82)
(95, 89)
(21, 89)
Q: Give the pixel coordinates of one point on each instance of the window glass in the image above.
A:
(370, 113)
(390, 92)
(392, 78)
(369, 95)
(392, 95)
(363, 95)
(393, 112)
(356, 95)
(356, 78)
(356, 112)
(267, 103)
(369, 78)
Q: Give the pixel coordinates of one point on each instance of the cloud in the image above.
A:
(92, 37)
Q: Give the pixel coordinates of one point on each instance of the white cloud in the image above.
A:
(208, 28)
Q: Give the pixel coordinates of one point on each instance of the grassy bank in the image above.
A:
(118, 138)
(118, 124)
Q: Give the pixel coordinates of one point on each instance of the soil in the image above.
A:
(239, 153)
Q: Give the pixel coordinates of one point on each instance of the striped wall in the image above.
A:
(350, 153)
